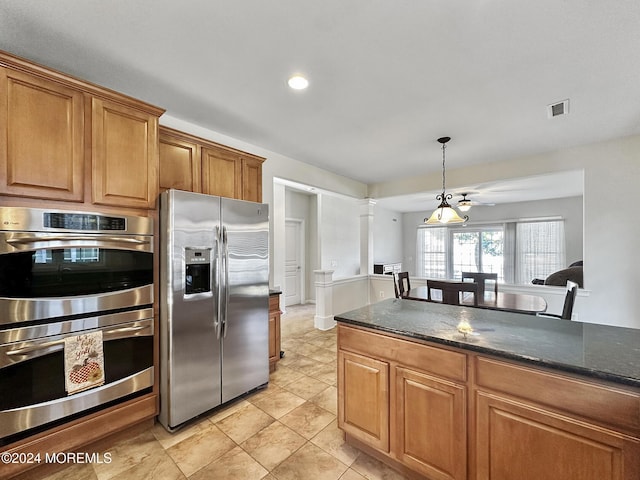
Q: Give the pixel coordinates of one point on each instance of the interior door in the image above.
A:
(293, 262)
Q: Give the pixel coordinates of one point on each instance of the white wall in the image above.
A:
(569, 208)
(339, 233)
(387, 236)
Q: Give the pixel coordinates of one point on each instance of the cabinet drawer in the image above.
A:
(621, 408)
(437, 361)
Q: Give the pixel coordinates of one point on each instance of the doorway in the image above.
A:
(294, 267)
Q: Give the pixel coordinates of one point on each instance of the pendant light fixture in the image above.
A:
(445, 212)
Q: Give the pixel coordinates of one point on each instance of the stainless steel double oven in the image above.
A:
(63, 274)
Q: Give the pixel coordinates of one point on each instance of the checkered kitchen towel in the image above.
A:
(83, 362)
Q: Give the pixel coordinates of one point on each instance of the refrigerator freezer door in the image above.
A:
(245, 347)
(190, 349)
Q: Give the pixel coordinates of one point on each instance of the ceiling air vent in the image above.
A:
(558, 108)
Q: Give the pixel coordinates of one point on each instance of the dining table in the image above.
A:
(505, 301)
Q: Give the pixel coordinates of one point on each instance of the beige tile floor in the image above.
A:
(287, 431)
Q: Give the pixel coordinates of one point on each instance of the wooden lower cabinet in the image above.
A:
(416, 406)
(363, 399)
(431, 425)
(519, 440)
(274, 330)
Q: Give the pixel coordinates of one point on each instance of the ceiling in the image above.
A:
(539, 187)
(387, 77)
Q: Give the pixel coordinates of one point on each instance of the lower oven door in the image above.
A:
(32, 371)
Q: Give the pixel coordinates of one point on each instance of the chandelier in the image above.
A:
(445, 213)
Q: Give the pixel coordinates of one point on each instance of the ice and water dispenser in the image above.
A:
(197, 270)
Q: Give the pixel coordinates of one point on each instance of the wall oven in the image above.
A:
(68, 277)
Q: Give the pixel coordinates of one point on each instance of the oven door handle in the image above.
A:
(62, 238)
(38, 349)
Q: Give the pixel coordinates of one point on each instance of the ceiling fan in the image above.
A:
(465, 204)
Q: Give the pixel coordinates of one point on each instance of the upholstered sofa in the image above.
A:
(573, 273)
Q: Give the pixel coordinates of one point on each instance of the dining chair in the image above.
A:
(395, 286)
(404, 285)
(481, 279)
(451, 291)
(569, 300)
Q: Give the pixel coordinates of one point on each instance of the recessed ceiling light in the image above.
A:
(298, 82)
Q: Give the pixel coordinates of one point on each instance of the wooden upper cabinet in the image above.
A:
(221, 173)
(43, 125)
(252, 179)
(124, 155)
(179, 163)
(71, 140)
(194, 164)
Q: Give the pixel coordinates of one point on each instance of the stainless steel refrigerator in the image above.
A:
(214, 286)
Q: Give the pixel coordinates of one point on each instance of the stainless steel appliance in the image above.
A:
(56, 264)
(62, 274)
(214, 290)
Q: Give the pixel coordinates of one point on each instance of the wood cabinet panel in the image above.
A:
(363, 399)
(431, 425)
(124, 155)
(437, 361)
(274, 331)
(221, 173)
(579, 397)
(179, 164)
(252, 179)
(518, 440)
(195, 164)
(42, 122)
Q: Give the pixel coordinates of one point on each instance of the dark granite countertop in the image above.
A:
(598, 351)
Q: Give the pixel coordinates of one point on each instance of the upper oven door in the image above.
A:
(47, 275)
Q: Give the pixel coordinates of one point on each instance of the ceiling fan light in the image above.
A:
(464, 205)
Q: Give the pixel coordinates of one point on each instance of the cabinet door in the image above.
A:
(43, 125)
(363, 399)
(221, 173)
(252, 179)
(274, 340)
(124, 155)
(179, 164)
(518, 440)
(431, 425)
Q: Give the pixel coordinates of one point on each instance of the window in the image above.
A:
(477, 250)
(539, 249)
(517, 251)
(432, 252)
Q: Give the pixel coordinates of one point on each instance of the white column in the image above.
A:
(367, 208)
(324, 300)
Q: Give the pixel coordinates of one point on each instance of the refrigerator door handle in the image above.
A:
(225, 260)
(217, 320)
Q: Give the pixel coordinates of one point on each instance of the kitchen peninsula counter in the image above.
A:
(600, 351)
(544, 397)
